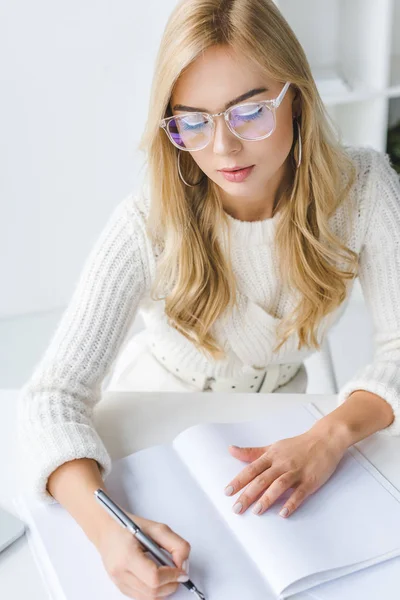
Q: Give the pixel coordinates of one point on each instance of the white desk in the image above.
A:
(128, 422)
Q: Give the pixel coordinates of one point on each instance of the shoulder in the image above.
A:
(138, 201)
(366, 161)
(373, 168)
(383, 226)
(136, 206)
(375, 192)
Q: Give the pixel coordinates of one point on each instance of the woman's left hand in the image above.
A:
(304, 462)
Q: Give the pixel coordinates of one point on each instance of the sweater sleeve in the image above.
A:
(55, 406)
(380, 281)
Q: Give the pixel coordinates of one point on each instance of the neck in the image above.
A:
(250, 209)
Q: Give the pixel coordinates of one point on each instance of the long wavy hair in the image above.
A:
(194, 274)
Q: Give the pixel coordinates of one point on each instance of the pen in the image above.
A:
(151, 545)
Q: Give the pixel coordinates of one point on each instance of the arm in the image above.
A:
(360, 416)
(370, 402)
(55, 406)
(73, 485)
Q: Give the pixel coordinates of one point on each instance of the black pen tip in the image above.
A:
(190, 586)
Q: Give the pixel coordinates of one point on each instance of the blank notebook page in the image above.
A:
(232, 556)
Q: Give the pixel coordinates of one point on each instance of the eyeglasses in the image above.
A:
(250, 121)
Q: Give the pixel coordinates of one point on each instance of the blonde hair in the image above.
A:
(194, 274)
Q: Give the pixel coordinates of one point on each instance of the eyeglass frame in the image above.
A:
(274, 103)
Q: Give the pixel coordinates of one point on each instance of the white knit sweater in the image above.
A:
(55, 405)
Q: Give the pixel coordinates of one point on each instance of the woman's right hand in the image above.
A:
(132, 568)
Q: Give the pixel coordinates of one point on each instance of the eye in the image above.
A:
(189, 126)
(191, 122)
(247, 113)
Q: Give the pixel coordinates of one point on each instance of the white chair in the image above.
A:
(321, 372)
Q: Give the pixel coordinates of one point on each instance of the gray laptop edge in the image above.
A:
(11, 528)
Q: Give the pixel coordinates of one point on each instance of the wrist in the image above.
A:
(361, 415)
(98, 525)
(336, 432)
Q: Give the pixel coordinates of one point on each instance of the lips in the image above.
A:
(237, 176)
(235, 168)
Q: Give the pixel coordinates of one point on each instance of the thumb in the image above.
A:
(247, 453)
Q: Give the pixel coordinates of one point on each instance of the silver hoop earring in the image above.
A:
(181, 176)
(300, 146)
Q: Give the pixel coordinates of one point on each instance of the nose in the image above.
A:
(224, 140)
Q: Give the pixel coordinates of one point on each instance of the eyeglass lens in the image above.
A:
(194, 130)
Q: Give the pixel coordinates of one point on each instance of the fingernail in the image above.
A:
(228, 490)
(284, 512)
(257, 508)
(183, 578)
(185, 565)
(237, 507)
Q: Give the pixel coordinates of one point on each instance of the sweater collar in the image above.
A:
(252, 232)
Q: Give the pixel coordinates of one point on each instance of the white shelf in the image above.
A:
(395, 51)
(353, 48)
(335, 88)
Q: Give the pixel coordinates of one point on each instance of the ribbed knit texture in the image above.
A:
(55, 406)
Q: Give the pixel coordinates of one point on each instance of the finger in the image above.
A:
(295, 500)
(131, 585)
(128, 591)
(252, 492)
(247, 475)
(276, 489)
(247, 454)
(176, 545)
(149, 573)
(134, 587)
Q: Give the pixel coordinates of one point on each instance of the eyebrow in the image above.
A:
(244, 96)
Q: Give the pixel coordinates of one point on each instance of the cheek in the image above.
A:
(203, 160)
(197, 157)
(280, 142)
(274, 153)
(284, 132)
(288, 128)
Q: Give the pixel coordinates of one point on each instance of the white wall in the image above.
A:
(75, 80)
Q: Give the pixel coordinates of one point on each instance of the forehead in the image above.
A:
(216, 77)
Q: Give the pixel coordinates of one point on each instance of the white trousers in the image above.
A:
(137, 370)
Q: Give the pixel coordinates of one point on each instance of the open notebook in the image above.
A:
(344, 538)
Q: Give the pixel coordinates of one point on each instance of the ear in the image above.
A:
(296, 103)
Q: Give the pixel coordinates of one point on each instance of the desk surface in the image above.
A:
(128, 422)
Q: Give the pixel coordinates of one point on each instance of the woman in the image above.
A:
(238, 276)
